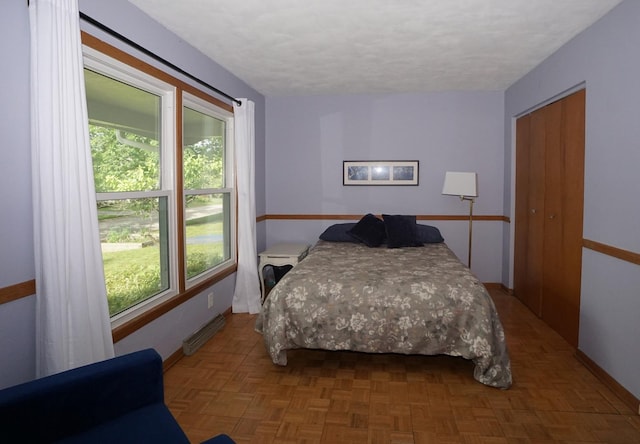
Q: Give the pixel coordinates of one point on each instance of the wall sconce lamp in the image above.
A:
(464, 185)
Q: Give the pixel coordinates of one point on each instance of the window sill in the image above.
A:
(122, 331)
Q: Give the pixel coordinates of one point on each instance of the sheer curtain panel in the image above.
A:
(72, 316)
(246, 297)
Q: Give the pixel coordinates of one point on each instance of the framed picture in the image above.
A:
(380, 172)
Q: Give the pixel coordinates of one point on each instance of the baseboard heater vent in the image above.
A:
(202, 335)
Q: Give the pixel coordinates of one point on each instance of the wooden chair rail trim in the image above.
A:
(28, 288)
(355, 217)
(618, 253)
(613, 385)
(17, 291)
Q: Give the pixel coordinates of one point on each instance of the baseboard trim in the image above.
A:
(172, 360)
(498, 286)
(495, 286)
(507, 290)
(625, 395)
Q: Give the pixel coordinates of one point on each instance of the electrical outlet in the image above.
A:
(210, 300)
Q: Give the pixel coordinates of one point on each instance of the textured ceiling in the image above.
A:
(303, 47)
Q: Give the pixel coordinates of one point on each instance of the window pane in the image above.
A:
(124, 130)
(207, 227)
(203, 155)
(133, 234)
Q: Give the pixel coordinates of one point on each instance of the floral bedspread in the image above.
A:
(420, 300)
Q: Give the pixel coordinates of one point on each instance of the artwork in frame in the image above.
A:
(380, 172)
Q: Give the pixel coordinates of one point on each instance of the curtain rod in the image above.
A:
(154, 56)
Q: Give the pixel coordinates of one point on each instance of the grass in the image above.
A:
(133, 276)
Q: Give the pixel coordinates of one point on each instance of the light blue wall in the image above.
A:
(309, 137)
(17, 318)
(604, 57)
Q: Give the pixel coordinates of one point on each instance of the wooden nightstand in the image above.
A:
(279, 255)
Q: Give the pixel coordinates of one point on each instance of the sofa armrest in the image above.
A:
(73, 401)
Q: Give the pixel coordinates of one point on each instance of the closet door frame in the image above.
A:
(549, 205)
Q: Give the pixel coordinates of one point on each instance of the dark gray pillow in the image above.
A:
(428, 234)
(338, 233)
(369, 230)
(401, 231)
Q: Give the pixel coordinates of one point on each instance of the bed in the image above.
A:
(412, 300)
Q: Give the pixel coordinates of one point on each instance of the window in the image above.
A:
(160, 199)
(205, 167)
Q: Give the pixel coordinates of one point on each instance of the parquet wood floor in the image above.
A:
(231, 386)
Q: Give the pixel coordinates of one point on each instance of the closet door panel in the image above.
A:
(563, 227)
(535, 225)
(554, 310)
(573, 203)
(520, 263)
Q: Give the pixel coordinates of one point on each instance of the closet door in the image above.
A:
(549, 207)
(563, 209)
(530, 191)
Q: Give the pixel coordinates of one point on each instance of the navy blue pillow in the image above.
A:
(369, 230)
(401, 230)
(339, 233)
(428, 234)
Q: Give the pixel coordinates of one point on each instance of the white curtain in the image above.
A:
(72, 318)
(247, 293)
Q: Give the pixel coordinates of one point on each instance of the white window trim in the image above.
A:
(103, 64)
(208, 108)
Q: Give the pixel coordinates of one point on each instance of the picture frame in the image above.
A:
(380, 172)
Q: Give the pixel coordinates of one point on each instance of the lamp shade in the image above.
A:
(460, 184)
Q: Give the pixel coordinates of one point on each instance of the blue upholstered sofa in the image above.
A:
(120, 400)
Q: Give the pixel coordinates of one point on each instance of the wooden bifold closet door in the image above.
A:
(549, 211)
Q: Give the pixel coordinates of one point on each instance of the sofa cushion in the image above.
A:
(90, 395)
(219, 439)
(119, 400)
(153, 424)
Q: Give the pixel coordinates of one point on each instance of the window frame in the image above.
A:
(198, 104)
(118, 64)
